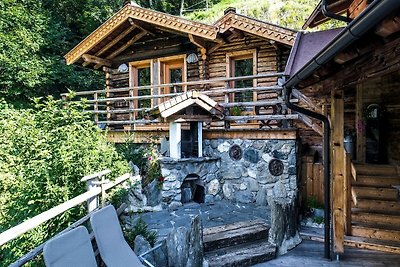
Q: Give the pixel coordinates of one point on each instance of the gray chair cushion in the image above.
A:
(114, 250)
(70, 249)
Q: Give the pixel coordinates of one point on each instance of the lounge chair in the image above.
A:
(114, 250)
(71, 249)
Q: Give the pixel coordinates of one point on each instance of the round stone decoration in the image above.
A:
(235, 152)
(276, 167)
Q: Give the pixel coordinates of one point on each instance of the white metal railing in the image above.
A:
(97, 186)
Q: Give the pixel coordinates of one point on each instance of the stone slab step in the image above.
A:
(234, 234)
(242, 255)
(375, 193)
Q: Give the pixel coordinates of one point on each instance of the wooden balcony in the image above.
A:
(124, 109)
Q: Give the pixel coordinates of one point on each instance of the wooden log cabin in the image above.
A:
(149, 57)
(351, 76)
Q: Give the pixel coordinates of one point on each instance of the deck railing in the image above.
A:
(97, 187)
(102, 103)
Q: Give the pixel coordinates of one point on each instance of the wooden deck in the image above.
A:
(311, 253)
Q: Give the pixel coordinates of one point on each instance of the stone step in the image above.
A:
(242, 255)
(234, 234)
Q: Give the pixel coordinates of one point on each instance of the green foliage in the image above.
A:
(318, 220)
(44, 152)
(140, 228)
(287, 13)
(312, 202)
(236, 111)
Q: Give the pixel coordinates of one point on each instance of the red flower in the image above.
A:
(150, 158)
(161, 179)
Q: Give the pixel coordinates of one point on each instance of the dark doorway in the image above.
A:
(375, 135)
(192, 190)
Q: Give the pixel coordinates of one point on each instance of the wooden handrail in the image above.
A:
(31, 223)
(200, 82)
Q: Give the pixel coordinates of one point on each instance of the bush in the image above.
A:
(44, 152)
(140, 228)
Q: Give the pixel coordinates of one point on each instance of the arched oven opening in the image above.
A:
(192, 189)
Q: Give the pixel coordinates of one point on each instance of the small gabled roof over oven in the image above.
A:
(179, 104)
(133, 25)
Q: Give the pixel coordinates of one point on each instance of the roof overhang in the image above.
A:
(129, 25)
(167, 21)
(179, 103)
(316, 18)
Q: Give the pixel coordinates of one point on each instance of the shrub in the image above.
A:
(140, 228)
(44, 152)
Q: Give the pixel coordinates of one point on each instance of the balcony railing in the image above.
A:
(103, 104)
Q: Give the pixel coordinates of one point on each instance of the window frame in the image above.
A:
(230, 65)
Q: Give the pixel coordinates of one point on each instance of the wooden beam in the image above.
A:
(141, 26)
(360, 124)
(337, 121)
(250, 134)
(96, 60)
(235, 33)
(197, 41)
(115, 40)
(388, 27)
(126, 45)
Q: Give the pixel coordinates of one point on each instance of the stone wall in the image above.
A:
(175, 171)
(248, 178)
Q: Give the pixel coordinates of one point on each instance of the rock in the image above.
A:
(244, 197)
(252, 173)
(185, 245)
(135, 169)
(160, 255)
(251, 155)
(224, 147)
(227, 189)
(258, 144)
(214, 143)
(165, 172)
(153, 194)
(253, 185)
(209, 199)
(292, 170)
(174, 205)
(261, 198)
(266, 157)
(195, 255)
(213, 187)
(243, 186)
(141, 246)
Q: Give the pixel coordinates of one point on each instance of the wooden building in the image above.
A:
(149, 57)
(351, 75)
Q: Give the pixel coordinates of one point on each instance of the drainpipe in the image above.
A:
(326, 162)
(332, 15)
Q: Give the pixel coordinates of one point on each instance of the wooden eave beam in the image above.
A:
(90, 59)
(388, 27)
(141, 26)
(235, 33)
(197, 41)
(126, 45)
(115, 40)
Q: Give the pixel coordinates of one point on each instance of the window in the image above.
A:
(242, 63)
(140, 75)
(172, 70)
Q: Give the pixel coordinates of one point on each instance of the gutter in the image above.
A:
(373, 14)
(328, 14)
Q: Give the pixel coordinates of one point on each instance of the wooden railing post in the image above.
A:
(131, 107)
(93, 181)
(226, 100)
(96, 107)
(347, 192)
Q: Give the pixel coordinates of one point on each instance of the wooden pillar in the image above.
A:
(175, 140)
(360, 124)
(338, 195)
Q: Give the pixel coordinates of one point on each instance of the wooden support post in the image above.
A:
(200, 138)
(175, 140)
(338, 196)
(108, 87)
(347, 192)
(131, 107)
(360, 125)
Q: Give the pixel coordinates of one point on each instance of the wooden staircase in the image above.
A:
(375, 211)
(238, 244)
